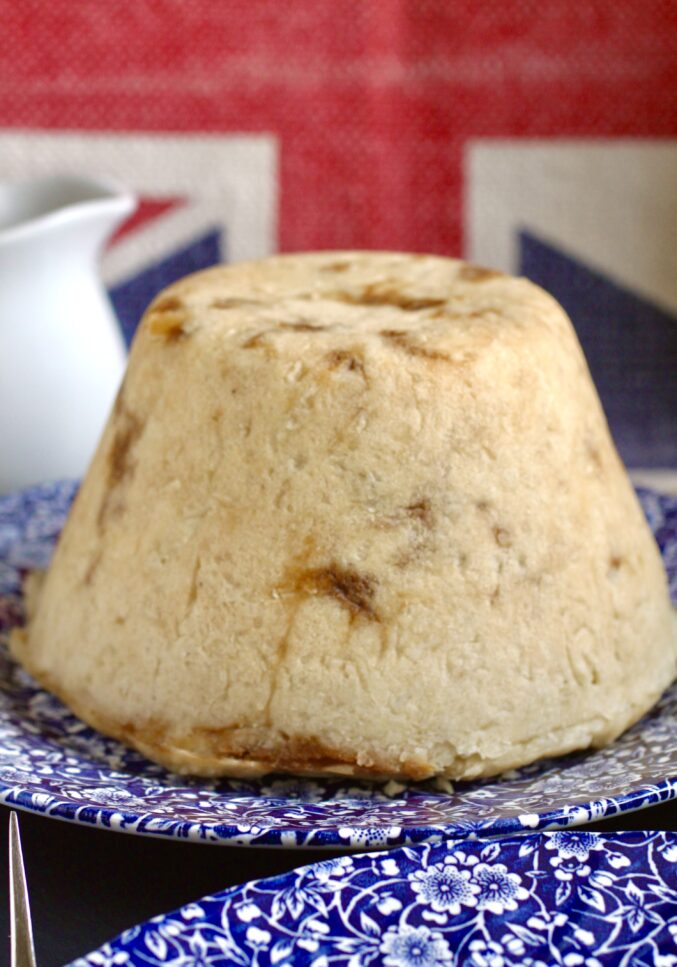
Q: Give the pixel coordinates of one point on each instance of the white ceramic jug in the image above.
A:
(61, 350)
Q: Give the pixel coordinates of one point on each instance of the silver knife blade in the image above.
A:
(22, 949)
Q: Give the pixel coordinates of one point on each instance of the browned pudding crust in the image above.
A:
(228, 751)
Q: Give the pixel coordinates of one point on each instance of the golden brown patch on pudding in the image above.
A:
(379, 295)
(478, 273)
(347, 359)
(167, 317)
(402, 341)
(120, 463)
(352, 590)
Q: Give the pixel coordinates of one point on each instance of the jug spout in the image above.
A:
(47, 207)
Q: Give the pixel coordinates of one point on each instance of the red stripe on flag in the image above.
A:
(147, 210)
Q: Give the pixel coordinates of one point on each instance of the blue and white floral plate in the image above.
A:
(51, 763)
(556, 898)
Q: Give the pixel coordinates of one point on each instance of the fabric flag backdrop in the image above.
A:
(540, 138)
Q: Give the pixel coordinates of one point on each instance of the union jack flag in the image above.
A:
(537, 138)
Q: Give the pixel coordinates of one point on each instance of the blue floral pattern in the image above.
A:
(392, 909)
(445, 887)
(52, 763)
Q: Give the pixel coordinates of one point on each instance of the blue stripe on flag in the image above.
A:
(631, 348)
(131, 298)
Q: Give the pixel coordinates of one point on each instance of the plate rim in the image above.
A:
(568, 816)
